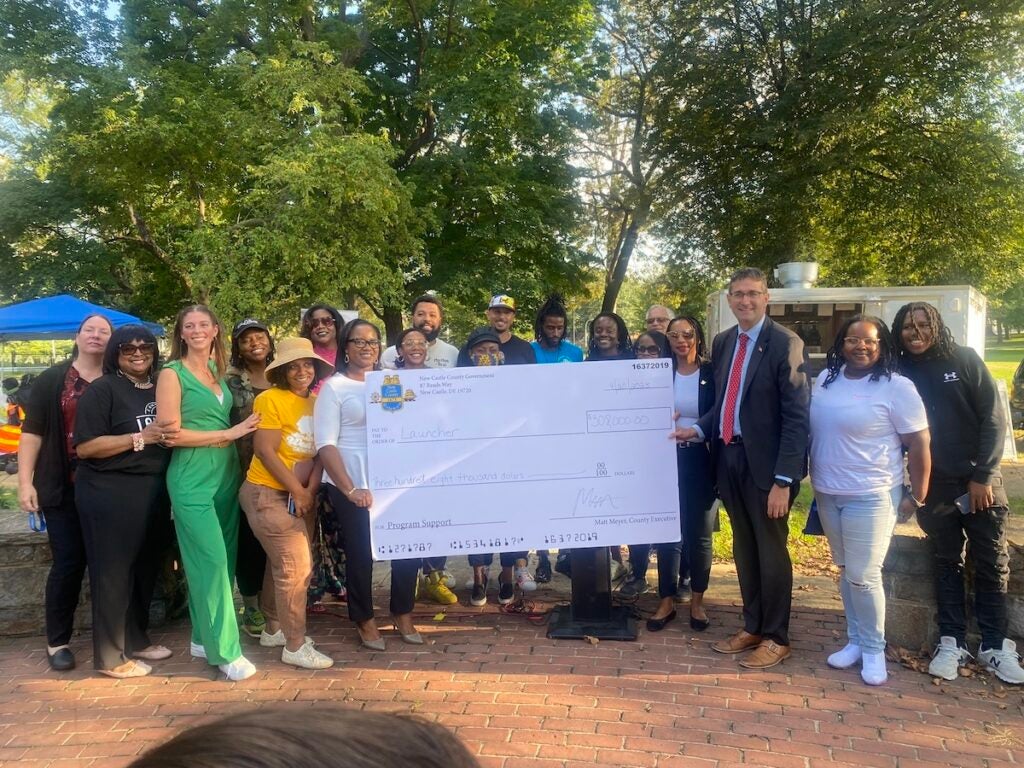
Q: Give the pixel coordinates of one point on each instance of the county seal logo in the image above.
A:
(391, 397)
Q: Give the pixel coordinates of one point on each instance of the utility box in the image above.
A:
(816, 314)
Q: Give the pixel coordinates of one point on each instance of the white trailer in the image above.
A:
(815, 314)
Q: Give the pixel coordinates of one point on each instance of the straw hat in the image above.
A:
(296, 348)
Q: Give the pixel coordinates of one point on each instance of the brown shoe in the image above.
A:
(767, 654)
(738, 643)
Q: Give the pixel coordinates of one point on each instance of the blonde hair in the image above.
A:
(179, 349)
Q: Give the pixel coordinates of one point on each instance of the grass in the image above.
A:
(810, 551)
(1002, 359)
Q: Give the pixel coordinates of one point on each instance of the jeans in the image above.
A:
(64, 582)
(859, 530)
(985, 536)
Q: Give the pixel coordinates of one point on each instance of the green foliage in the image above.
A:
(873, 135)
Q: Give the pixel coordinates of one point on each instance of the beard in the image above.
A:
(431, 335)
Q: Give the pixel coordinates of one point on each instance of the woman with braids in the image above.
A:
(863, 414)
(608, 338)
(968, 428)
(202, 480)
(693, 389)
(549, 330)
(252, 349)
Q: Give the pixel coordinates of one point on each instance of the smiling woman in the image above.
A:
(119, 486)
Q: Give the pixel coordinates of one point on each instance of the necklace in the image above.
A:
(147, 384)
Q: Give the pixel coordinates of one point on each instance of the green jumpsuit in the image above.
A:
(203, 485)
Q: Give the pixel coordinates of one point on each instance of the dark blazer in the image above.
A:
(773, 406)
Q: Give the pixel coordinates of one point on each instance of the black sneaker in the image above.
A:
(634, 587)
(563, 565)
(506, 592)
(542, 575)
(684, 593)
(479, 596)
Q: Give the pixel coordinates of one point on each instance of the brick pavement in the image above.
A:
(518, 699)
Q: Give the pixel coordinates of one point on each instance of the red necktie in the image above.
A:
(732, 393)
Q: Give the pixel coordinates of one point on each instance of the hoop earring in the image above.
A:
(399, 360)
(346, 358)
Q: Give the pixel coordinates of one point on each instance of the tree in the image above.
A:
(867, 134)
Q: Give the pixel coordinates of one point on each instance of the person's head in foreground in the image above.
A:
(301, 737)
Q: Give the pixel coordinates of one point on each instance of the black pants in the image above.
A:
(64, 582)
(759, 549)
(126, 522)
(507, 559)
(354, 523)
(985, 536)
(697, 518)
(252, 560)
(431, 564)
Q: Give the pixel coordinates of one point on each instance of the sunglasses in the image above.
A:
(315, 322)
(145, 348)
(643, 349)
(688, 335)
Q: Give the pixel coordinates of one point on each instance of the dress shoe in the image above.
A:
(61, 660)
(741, 641)
(767, 654)
(656, 625)
(699, 625)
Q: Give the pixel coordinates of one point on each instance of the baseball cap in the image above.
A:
(248, 324)
(502, 301)
(480, 335)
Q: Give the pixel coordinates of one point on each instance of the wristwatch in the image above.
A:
(783, 483)
(908, 493)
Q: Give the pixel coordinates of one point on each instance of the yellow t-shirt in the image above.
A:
(293, 415)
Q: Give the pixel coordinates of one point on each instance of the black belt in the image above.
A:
(736, 440)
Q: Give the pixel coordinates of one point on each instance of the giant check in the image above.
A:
(473, 460)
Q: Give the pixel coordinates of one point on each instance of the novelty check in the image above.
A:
(496, 459)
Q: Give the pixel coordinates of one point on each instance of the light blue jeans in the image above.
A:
(859, 529)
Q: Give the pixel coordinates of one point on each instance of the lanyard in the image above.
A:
(36, 521)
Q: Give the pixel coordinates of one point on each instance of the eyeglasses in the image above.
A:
(413, 345)
(740, 295)
(364, 343)
(315, 322)
(688, 335)
(128, 350)
(643, 349)
(856, 341)
(656, 320)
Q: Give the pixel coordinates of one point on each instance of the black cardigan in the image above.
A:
(43, 417)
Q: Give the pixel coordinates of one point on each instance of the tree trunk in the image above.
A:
(392, 323)
(620, 263)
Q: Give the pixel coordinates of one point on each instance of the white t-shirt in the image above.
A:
(855, 432)
(339, 419)
(686, 390)
(440, 354)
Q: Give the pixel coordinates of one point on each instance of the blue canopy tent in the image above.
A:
(58, 317)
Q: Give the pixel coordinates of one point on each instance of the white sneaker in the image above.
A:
(197, 650)
(845, 657)
(524, 580)
(239, 669)
(1004, 662)
(277, 640)
(873, 671)
(307, 657)
(949, 657)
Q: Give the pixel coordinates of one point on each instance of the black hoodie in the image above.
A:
(966, 421)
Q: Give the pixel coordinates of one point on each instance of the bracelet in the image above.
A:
(138, 442)
(908, 493)
(354, 489)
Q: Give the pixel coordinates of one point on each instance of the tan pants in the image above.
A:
(286, 540)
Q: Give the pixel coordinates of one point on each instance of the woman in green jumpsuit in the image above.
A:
(202, 480)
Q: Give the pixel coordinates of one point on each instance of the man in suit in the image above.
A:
(758, 430)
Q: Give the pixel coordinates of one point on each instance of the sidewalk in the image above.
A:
(518, 699)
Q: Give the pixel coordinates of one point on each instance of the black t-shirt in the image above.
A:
(112, 405)
(517, 352)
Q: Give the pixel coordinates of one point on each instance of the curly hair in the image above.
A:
(553, 307)
(884, 366)
(698, 329)
(943, 344)
(625, 348)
